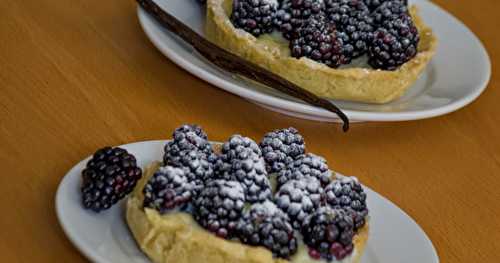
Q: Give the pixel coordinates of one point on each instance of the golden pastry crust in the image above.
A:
(177, 238)
(352, 84)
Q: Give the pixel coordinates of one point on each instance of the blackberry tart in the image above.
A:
(316, 53)
(173, 219)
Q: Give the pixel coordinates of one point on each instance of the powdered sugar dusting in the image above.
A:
(272, 2)
(234, 191)
(269, 207)
(174, 175)
(347, 179)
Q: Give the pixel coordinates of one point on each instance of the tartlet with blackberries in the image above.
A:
(243, 201)
(356, 50)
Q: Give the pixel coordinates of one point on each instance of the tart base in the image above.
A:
(176, 237)
(352, 84)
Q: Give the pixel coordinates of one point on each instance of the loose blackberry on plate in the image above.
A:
(352, 19)
(306, 165)
(348, 194)
(265, 225)
(299, 198)
(328, 233)
(241, 160)
(254, 16)
(280, 147)
(167, 189)
(394, 44)
(109, 175)
(219, 206)
(318, 40)
(187, 138)
(293, 14)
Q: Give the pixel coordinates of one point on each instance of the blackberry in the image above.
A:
(299, 198)
(185, 129)
(280, 147)
(304, 166)
(282, 22)
(254, 16)
(241, 160)
(265, 225)
(293, 14)
(197, 168)
(318, 40)
(374, 4)
(109, 175)
(235, 145)
(353, 22)
(167, 189)
(219, 206)
(186, 138)
(328, 233)
(347, 193)
(264, 209)
(394, 44)
(389, 11)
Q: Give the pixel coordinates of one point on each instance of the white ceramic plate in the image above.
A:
(455, 77)
(105, 237)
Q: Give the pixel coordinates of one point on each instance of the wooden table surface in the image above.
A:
(78, 75)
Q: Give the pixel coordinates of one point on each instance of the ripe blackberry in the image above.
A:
(374, 4)
(282, 22)
(167, 189)
(394, 44)
(280, 147)
(110, 174)
(241, 160)
(219, 206)
(328, 233)
(347, 193)
(185, 129)
(254, 16)
(264, 209)
(186, 138)
(293, 14)
(318, 40)
(304, 166)
(235, 145)
(388, 11)
(352, 19)
(265, 225)
(197, 168)
(299, 198)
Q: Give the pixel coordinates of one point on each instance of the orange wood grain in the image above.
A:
(78, 75)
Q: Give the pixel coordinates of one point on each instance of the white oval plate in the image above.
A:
(455, 77)
(105, 237)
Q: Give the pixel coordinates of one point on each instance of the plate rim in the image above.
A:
(305, 109)
(97, 257)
